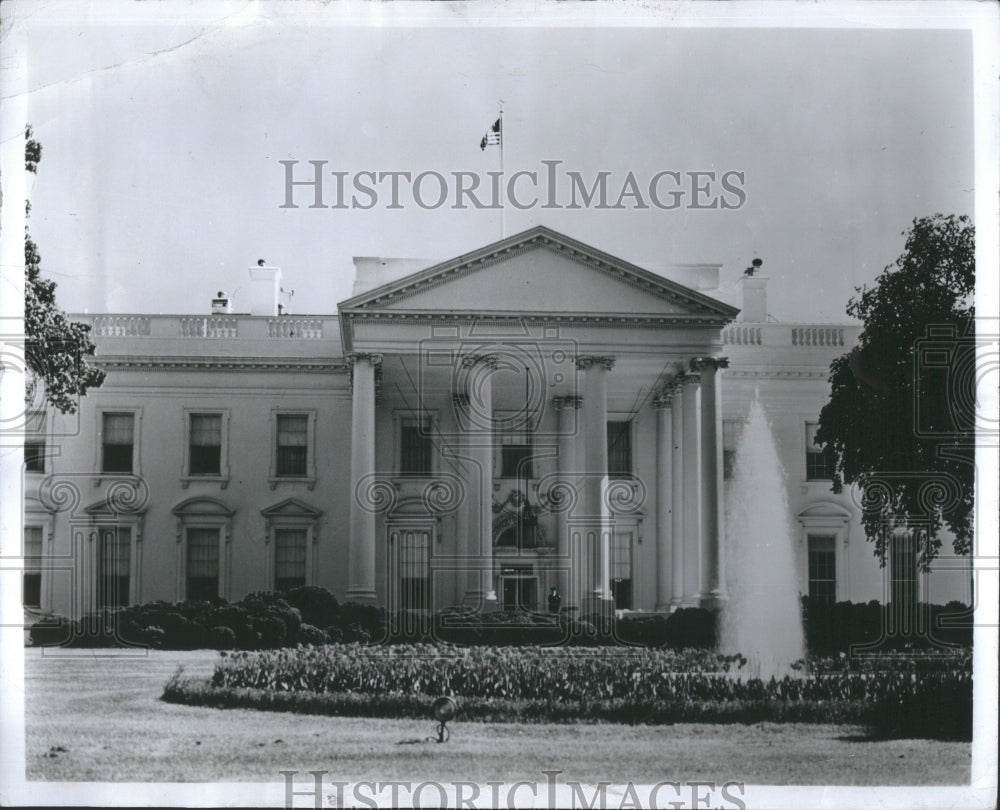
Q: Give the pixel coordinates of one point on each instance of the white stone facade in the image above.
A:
(398, 451)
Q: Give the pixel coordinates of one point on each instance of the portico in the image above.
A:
(552, 414)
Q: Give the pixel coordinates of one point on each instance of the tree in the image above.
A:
(900, 420)
(56, 349)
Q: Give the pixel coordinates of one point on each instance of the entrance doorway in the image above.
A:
(518, 589)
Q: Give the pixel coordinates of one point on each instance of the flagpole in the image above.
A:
(503, 207)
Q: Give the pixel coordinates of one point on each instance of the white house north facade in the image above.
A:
(535, 414)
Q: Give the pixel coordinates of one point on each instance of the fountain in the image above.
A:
(762, 618)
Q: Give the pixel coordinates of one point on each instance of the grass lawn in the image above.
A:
(96, 716)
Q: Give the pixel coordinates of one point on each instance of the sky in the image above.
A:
(160, 181)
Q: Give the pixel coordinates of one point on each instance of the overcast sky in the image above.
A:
(160, 181)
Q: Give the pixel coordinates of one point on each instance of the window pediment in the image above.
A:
(291, 508)
(203, 506)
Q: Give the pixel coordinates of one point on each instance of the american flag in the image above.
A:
(493, 136)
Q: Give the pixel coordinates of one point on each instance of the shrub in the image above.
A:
(222, 638)
(50, 631)
(311, 635)
(334, 634)
(316, 605)
(271, 631)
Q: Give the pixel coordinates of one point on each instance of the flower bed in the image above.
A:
(897, 694)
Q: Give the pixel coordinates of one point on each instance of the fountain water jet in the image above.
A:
(762, 618)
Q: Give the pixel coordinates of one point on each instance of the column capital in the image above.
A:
(665, 398)
(490, 360)
(589, 361)
(567, 402)
(375, 359)
(699, 364)
(372, 357)
(684, 378)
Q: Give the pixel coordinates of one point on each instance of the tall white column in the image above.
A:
(467, 585)
(361, 551)
(664, 497)
(677, 495)
(713, 587)
(479, 390)
(691, 404)
(595, 468)
(566, 408)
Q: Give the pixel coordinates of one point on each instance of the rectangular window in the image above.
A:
(32, 593)
(34, 443)
(823, 568)
(113, 561)
(621, 570)
(34, 455)
(515, 461)
(819, 460)
(620, 449)
(415, 447)
(205, 448)
(293, 446)
(117, 442)
(903, 577)
(731, 429)
(202, 563)
(289, 559)
(414, 569)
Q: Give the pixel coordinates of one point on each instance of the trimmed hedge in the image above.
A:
(858, 627)
(267, 620)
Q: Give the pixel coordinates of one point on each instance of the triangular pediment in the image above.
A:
(540, 271)
(291, 507)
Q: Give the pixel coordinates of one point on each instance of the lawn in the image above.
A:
(96, 716)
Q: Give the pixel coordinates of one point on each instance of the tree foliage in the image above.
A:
(56, 349)
(900, 420)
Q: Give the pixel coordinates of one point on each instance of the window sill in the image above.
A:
(221, 480)
(308, 480)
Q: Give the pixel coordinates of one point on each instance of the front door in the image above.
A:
(519, 591)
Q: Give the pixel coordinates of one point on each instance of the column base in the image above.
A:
(714, 600)
(364, 596)
(664, 607)
(691, 600)
(481, 602)
(600, 605)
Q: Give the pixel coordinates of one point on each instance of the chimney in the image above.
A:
(265, 285)
(754, 294)
(220, 304)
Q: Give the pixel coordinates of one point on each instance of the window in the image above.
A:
(289, 559)
(117, 442)
(292, 446)
(819, 460)
(731, 429)
(823, 568)
(205, 444)
(620, 449)
(32, 593)
(621, 570)
(515, 461)
(34, 443)
(202, 563)
(414, 569)
(113, 562)
(415, 446)
(903, 576)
